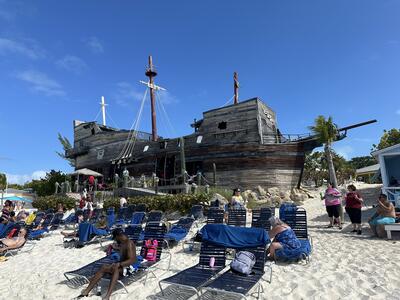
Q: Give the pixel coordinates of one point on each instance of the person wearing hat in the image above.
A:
(127, 252)
(237, 199)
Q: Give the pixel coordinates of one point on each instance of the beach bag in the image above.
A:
(151, 250)
(244, 262)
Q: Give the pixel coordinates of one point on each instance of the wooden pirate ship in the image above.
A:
(238, 145)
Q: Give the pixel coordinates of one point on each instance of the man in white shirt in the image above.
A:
(122, 202)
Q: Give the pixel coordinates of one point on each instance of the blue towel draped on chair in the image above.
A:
(234, 237)
(176, 233)
(86, 230)
(286, 207)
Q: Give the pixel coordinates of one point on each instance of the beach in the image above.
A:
(343, 266)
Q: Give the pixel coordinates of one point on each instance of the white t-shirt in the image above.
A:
(122, 201)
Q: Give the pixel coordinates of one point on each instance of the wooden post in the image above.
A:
(214, 174)
(182, 157)
(236, 88)
(151, 73)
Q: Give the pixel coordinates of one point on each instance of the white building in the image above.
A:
(389, 161)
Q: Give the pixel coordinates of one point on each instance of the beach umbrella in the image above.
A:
(17, 198)
(87, 172)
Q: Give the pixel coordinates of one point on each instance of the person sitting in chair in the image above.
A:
(283, 237)
(15, 242)
(74, 233)
(385, 214)
(128, 258)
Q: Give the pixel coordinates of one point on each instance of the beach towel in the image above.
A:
(234, 237)
(37, 233)
(176, 233)
(116, 257)
(87, 230)
(294, 254)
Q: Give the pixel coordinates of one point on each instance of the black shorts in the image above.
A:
(333, 211)
(354, 215)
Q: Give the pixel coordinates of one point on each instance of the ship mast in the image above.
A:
(236, 88)
(103, 109)
(151, 73)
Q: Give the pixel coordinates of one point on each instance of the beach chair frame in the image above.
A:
(202, 269)
(218, 288)
(215, 215)
(260, 217)
(237, 217)
(297, 220)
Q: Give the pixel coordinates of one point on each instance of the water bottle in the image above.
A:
(212, 261)
(98, 290)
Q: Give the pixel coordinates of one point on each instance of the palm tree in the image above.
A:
(326, 131)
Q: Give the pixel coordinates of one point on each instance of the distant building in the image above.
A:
(368, 174)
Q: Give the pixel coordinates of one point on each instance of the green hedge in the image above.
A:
(165, 203)
(46, 202)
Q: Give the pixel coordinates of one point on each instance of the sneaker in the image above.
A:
(359, 232)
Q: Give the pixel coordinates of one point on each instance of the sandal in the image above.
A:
(329, 226)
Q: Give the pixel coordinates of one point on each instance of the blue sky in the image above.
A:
(303, 58)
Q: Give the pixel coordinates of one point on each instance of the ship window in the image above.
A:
(93, 132)
(146, 148)
(222, 125)
(199, 139)
(163, 145)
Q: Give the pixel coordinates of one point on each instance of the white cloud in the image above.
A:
(166, 97)
(41, 83)
(23, 178)
(95, 45)
(27, 48)
(398, 112)
(72, 63)
(344, 151)
(126, 94)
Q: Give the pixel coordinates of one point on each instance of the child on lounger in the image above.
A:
(283, 237)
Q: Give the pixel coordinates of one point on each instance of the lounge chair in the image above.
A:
(231, 283)
(133, 232)
(137, 218)
(83, 274)
(179, 231)
(197, 212)
(193, 278)
(37, 234)
(237, 217)
(215, 216)
(297, 220)
(55, 223)
(154, 216)
(26, 247)
(260, 217)
(6, 229)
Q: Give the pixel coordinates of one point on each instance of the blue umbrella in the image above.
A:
(17, 198)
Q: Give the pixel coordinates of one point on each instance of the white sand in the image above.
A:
(343, 266)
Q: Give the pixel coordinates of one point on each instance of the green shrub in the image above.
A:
(46, 202)
(165, 203)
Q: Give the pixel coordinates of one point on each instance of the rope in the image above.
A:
(163, 110)
(228, 101)
(115, 124)
(95, 118)
(162, 119)
(132, 134)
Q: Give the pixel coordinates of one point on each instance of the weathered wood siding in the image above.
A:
(239, 139)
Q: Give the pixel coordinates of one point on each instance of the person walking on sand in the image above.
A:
(354, 203)
(332, 199)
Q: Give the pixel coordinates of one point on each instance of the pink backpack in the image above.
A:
(151, 250)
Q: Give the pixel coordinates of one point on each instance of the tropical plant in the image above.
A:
(46, 186)
(166, 203)
(66, 144)
(362, 162)
(327, 133)
(389, 138)
(3, 181)
(46, 202)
